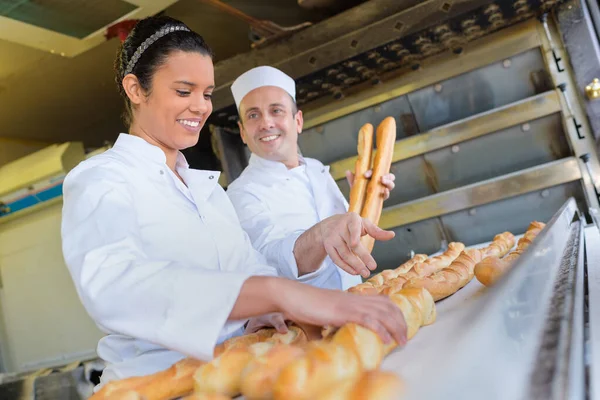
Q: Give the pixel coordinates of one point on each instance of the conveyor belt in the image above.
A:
(521, 338)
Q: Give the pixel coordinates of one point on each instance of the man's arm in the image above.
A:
(275, 242)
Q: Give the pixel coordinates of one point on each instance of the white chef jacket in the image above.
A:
(157, 265)
(276, 205)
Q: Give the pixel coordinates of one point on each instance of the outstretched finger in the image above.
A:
(376, 232)
(337, 260)
(352, 259)
(365, 256)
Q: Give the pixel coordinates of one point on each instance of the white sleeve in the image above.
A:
(122, 288)
(270, 237)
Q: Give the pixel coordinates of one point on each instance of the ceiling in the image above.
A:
(48, 98)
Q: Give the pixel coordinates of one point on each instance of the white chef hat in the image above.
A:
(259, 77)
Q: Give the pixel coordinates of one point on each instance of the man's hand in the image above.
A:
(273, 320)
(387, 180)
(340, 237)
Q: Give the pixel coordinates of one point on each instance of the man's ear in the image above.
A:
(242, 131)
(299, 119)
(133, 89)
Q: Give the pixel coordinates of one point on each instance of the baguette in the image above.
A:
(385, 276)
(363, 164)
(490, 269)
(365, 288)
(386, 139)
(245, 340)
(500, 246)
(171, 383)
(224, 374)
(323, 365)
(376, 385)
(437, 263)
(261, 372)
(451, 279)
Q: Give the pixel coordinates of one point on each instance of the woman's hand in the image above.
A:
(273, 320)
(308, 305)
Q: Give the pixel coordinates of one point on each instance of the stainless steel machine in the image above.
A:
(498, 119)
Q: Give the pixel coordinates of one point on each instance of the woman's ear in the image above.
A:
(133, 89)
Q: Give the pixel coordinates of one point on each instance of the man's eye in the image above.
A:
(252, 116)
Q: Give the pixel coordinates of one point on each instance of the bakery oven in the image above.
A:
(497, 126)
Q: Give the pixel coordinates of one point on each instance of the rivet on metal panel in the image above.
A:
(455, 149)
(438, 88)
(319, 129)
(446, 7)
(472, 212)
(506, 63)
(457, 50)
(399, 26)
(312, 61)
(525, 127)
(545, 193)
(593, 89)
(354, 44)
(377, 109)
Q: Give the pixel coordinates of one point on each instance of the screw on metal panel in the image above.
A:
(472, 212)
(319, 129)
(438, 88)
(455, 149)
(525, 127)
(377, 109)
(545, 193)
(506, 63)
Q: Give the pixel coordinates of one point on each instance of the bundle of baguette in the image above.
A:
(493, 266)
(366, 196)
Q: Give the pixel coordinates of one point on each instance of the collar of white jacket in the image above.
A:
(259, 77)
